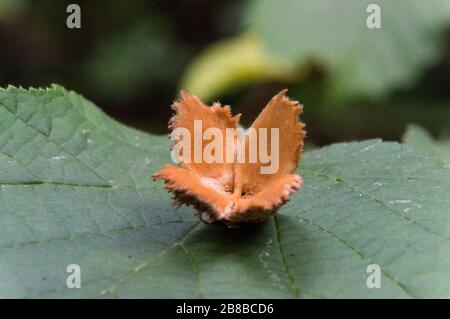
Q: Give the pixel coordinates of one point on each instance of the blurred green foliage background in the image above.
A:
(132, 58)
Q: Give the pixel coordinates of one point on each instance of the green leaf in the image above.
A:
(421, 140)
(75, 188)
(126, 63)
(361, 61)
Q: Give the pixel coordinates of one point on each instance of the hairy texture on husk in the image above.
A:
(235, 193)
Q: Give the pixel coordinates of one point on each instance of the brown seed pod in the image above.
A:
(236, 192)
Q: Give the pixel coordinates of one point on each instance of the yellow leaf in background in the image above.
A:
(233, 63)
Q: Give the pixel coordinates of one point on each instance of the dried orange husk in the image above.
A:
(236, 192)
